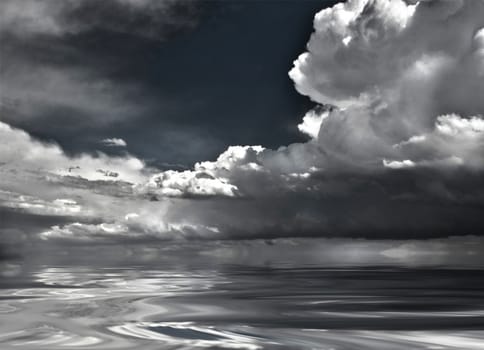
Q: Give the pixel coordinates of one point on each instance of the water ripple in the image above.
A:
(235, 307)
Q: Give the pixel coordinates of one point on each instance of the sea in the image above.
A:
(186, 298)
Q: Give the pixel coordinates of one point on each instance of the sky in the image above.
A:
(141, 122)
(179, 87)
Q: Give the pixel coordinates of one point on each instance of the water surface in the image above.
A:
(238, 306)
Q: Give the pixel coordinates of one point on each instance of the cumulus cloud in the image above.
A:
(454, 141)
(387, 69)
(207, 178)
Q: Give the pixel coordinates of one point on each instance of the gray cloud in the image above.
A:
(46, 69)
(156, 19)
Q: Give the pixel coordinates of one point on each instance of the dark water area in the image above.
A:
(162, 305)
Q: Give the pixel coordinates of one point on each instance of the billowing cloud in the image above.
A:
(455, 141)
(396, 71)
(207, 178)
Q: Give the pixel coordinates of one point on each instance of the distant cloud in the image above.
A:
(30, 204)
(395, 164)
(129, 229)
(24, 153)
(207, 178)
(114, 142)
(160, 18)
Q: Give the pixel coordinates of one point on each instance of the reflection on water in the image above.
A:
(241, 307)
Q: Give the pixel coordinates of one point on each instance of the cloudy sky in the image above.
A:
(139, 122)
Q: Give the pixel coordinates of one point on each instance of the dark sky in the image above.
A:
(185, 88)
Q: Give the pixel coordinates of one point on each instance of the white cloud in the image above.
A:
(395, 164)
(454, 125)
(402, 91)
(412, 140)
(85, 232)
(21, 152)
(312, 121)
(179, 183)
(207, 178)
(134, 227)
(337, 71)
(114, 142)
(39, 179)
(38, 206)
(453, 141)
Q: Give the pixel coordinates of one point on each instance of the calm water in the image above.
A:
(229, 306)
